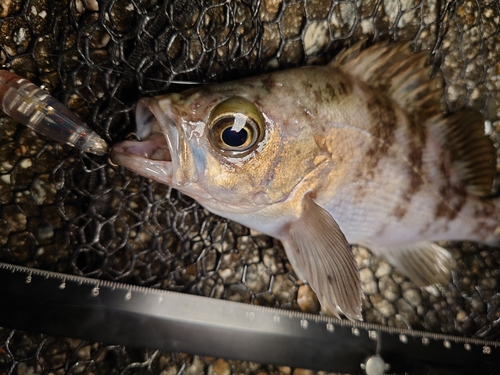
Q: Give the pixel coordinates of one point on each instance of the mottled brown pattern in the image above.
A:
(443, 210)
(453, 197)
(341, 88)
(415, 179)
(307, 85)
(331, 92)
(452, 201)
(487, 209)
(484, 227)
(337, 90)
(318, 95)
(401, 210)
(381, 109)
(382, 131)
(485, 232)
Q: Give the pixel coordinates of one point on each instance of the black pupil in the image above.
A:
(233, 138)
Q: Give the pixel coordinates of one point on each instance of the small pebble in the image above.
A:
(366, 275)
(221, 367)
(461, 315)
(386, 308)
(301, 371)
(284, 370)
(368, 282)
(383, 269)
(307, 300)
(413, 297)
(196, 368)
(389, 288)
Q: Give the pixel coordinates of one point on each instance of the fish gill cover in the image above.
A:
(67, 211)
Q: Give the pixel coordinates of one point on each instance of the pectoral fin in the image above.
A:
(425, 264)
(319, 252)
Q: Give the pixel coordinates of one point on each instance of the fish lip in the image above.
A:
(158, 170)
(155, 154)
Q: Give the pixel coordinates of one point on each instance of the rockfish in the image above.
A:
(355, 152)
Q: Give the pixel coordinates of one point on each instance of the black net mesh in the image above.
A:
(71, 212)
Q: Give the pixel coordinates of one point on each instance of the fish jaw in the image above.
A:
(154, 154)
(133, 155)
(161, 149)
(157, 116)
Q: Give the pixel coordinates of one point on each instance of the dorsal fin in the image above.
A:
(397, 71)
(405, 77)
(472, 152)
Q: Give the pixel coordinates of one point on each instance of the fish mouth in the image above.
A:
(153, 154)
(153, 147)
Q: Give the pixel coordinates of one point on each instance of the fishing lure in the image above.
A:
(29, 105)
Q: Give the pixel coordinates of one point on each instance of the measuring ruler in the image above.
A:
(114, 313)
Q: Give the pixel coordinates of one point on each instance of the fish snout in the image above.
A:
(159, 116)
(154, 151)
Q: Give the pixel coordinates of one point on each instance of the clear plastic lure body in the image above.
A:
(29, 105)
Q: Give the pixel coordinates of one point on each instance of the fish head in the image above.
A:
(253, 151)
(230, 146)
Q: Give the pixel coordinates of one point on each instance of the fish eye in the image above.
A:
(234, 138)
(235, 127)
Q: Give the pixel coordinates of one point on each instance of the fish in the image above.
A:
(33, 107)
(357, 151)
